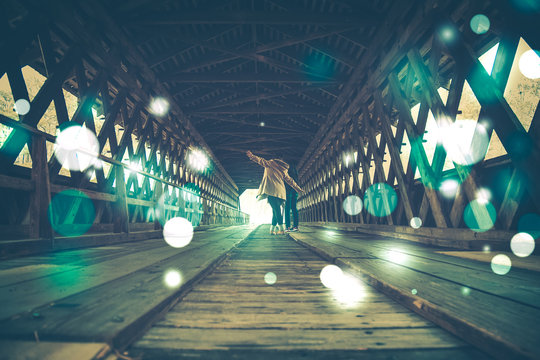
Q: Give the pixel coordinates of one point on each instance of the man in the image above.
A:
(290, 201)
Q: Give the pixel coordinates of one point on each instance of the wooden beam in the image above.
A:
(291, 40)
(254, 17)
(17, 138)
(258, 97)
(149, 77)
(245, 78)
(504, 120)
(417, 151)
(262, 110)
(395, 158)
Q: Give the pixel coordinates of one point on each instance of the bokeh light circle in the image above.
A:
(352, 205)
(22, 106)
(172, 278)
(459, 145)
(530, 223)
(529, 64)
(348, 291)
(416, 222)
(270, 278)
(522, 244)
(331, 276)
(447, 33)
(61, 207)
(76, 148)
(501, 264)
(480, 215)
(380, 199)
(465, 291)
(178, 232)
(480, 24)
(449, 188)
(414, 291)
(159, 106)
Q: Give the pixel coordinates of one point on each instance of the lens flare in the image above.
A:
(416, 222)
(449, 188)
(22, 106)
(352, 205)
(501, 264)
(414, 291)
(380, 199)
(480, 24)
(331, 276)
(480, 215)
(522, 244)
(397, 256)
(76, 148)
(172, 278)
(349, 291)
(529, 64)
(178, 232)
(270, 278)
(465, 291)
(459, 145)
(71, 213)
(159, 106)
(483, 195)
(198, 160)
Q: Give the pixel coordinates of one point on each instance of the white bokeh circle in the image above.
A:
(178, 232)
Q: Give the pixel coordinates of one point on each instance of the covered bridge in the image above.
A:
(415, 129)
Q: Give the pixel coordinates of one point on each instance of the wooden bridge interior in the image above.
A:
(415, 128)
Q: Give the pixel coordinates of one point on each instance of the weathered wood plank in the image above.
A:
(202, 339)
(32, 350)
(234, 308)
(510, 331)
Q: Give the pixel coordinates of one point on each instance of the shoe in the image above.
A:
(280, 232)
(294, 229)
(287, 230)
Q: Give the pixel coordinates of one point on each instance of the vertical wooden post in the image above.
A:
(121, 218)
(41, 198)
(157, 194)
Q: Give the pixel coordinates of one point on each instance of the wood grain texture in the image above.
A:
(233, 311)
(459, 294)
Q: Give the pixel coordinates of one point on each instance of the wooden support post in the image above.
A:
(121, 218)
(41, 197)
(379, 170)
(158, 190)
(417, 152)
(504, 120)
(395, 159)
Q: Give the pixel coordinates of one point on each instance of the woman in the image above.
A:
(273, 188)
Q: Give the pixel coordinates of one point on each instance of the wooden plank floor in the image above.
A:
(234, 313)
(500, 314)
(100, 295)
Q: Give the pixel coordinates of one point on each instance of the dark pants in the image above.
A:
(277, 216)
(290, 204)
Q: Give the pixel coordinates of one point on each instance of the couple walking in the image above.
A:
(273, 188)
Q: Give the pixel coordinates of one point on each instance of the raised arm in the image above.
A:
(292, 183)
(258, 160)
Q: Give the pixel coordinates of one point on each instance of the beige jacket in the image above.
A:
(275, 171)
